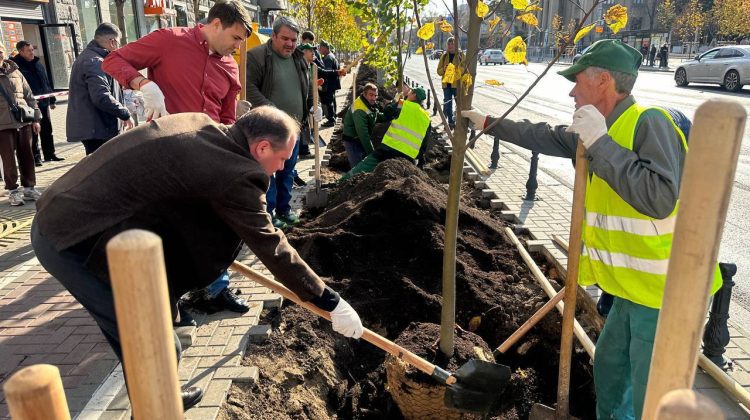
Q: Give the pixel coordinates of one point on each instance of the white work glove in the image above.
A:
(153, 101)
(317, 114)
(345, 320)
(477, 118)
(589, 124)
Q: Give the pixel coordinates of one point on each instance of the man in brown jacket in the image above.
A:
(209, 198)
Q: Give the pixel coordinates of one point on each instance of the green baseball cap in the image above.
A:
(303, 47)
(421, 95)
(609, 54)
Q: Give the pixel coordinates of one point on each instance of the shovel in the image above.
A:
(474, 387)
(317, 197)
(541, 411)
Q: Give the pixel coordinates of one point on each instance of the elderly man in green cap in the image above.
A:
(636, 155)
(405, 137)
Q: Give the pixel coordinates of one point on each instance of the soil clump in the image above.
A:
(379, 242)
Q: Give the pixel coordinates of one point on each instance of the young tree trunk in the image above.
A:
(400, 64)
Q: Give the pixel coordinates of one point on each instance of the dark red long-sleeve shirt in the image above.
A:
(179, 62)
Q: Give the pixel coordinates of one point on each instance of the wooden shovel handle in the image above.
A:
(533, 320)
(705, 190)
(378, 341)
(571, 280)
(315, 128)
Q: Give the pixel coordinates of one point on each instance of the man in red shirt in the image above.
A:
(189, 69)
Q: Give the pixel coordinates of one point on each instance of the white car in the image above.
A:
(492, 56)
(728, 66)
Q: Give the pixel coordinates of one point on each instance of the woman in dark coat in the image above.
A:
(663, 55)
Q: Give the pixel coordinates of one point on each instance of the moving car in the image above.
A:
(728, 66)
(436, 54)
(492, 56)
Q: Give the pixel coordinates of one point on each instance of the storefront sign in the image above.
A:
(12, 32)
(154, 7)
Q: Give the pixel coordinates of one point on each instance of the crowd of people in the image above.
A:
(207, 172)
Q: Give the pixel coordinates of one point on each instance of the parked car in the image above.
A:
(436, 54)
(578, 56)
(728, 66)
(492, 56)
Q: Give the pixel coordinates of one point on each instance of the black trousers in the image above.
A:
(328, 104)
(92, 145)
(94, 294)
(48, 141)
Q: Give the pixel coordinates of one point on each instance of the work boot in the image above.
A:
(329, 123)
(186, 320)
(230, 301)
(290, 218)
(278, 223)
(54, 159)
(299, 182)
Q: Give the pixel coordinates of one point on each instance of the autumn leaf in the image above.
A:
(419, 50)
(515, 51)
(616, 17)
(474, 323)
(529, 19)
(520, 4)
(585, 30)
(493, 22)
(446, 27)
(426, 31)
(429, 45)
(466, 82)
(493, 82)
(482, 9)
(365, 44)
(533, 8)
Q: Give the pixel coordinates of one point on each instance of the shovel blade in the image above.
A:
(480, 384)
(316, 199)
(542, 412)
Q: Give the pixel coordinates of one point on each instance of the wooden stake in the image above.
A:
(706, 187)
(243, 70)
(36, 393)
(686, 404)
(144, 320)
(538, 315)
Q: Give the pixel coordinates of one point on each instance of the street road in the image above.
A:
(549, 101)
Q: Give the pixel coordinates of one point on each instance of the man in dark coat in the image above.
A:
(331, 84)
(36, 75)
(652, 55)
(209, 197)
(94, 100)
(664, 56)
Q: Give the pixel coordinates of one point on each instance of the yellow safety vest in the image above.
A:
(408, 130)
(626, 252)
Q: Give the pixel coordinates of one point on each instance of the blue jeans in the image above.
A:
(280, 189)
(354, 152)
(91, 292)
(448, 95)
(221, 283)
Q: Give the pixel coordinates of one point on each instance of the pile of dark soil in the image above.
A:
(379, 242)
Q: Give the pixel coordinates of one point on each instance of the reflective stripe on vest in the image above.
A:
(407, 131)
(626, 252)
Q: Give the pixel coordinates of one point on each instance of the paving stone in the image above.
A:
(203, 351)
(259, 333)
(238, 373)
(186, 336)
(219, 361)
(202, 413)
(215, 393)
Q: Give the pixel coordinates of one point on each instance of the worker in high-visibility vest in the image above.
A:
(405, 137)
(636, 155)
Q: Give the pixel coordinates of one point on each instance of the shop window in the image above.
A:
(182, 18)
(88, 18)
(122, 14)
(636, 23)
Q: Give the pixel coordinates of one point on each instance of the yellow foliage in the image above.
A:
(426, 31)
(493, 22)
(529, 19)
(533, 8)
(493, 82)
(482, 9)
(450, 74)
(616, 17)
(446, 27)
(585, 30)
(429, 45)
(520, 4)
(466, 82)
(515, 51)
(419, 50)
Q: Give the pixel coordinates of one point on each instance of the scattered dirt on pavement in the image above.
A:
(379, 243)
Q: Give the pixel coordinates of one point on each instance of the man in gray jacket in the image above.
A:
(636, 155)
(277, 75)
(94, 106)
